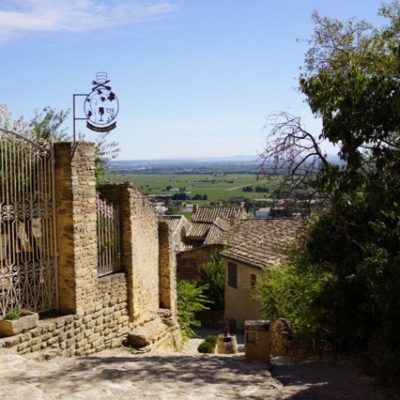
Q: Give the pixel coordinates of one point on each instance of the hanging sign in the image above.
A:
(101, 105)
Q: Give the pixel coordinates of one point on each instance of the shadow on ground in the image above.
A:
(193, 374)
(327, 381)
(122, 375)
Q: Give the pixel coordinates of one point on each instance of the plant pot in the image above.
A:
(24, 323)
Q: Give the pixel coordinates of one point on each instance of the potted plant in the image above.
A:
(16, 321)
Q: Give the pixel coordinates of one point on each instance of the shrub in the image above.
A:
(208, 345)
(191, 298)
(286, 292)
(13, 314)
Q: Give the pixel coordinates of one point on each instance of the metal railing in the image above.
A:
(108, 238)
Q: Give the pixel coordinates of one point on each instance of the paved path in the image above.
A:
(119, 374)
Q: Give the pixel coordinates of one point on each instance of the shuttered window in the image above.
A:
(253, 281)
(232, 275)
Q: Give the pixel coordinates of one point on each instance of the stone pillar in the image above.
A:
(167, 269)
(75, 197)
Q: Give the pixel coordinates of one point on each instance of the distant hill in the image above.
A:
(232, 164)
(236, 158)
(237, 164)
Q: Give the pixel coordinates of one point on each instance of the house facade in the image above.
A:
(251, 246)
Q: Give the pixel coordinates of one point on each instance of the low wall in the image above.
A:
(103, 328)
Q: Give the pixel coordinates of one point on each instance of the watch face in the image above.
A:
(101, 106)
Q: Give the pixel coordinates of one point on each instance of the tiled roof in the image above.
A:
(171, 220)
(209, 233)
(189, 246)
(222, 223)
(211, 213)
(214, 235)
(261, 242)
(198, 231)
(216, 231)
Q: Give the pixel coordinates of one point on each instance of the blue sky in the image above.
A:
(194, 78)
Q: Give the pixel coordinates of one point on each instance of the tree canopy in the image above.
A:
(351, 79)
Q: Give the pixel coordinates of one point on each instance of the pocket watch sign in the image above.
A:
(101, 105)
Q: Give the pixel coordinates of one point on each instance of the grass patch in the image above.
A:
(217, 187)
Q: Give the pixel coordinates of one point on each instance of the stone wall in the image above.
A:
(75, 198)
(145, 254)
(149, 261)
(101, 312)
(167, 268)
(140, 252)
(104, 327)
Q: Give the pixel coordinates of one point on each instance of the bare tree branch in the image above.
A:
(293, 152)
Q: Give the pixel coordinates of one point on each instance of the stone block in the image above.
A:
(35, 348)
(16, 326)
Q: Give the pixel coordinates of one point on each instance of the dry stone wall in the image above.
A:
(105, 326)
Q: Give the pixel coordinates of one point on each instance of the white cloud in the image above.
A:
(28, 16)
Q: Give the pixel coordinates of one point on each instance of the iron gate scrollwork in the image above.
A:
(28, 264)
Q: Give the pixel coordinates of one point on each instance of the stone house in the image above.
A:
(178, 227)
(91, 312)
(208, 224)
(251, 246)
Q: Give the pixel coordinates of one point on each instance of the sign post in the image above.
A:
(100, 106)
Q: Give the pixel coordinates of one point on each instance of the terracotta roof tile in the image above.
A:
(171, 220)
(222, 223)
(198, 231)
(211, 213)
(261, 242)
(214, 235)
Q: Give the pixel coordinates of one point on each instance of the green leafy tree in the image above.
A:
(351, 79)
(48, 124)
(191, 299)
(284, 291)
(105, 150)
(213, 275)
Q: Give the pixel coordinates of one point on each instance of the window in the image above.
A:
(232, 275)
(253, 280)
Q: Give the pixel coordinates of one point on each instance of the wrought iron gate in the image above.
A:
(28, 265)
(108, 238)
